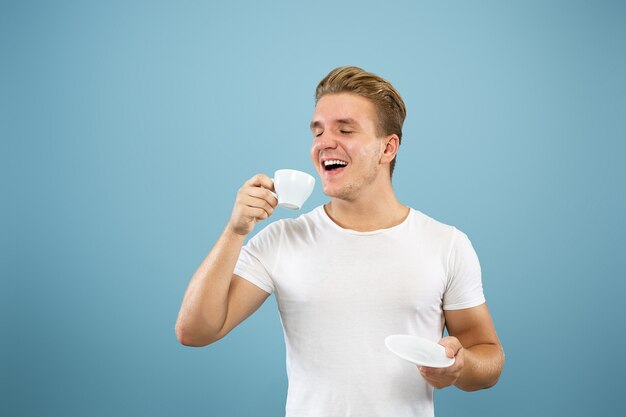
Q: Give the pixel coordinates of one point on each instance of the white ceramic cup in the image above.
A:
(292, 188)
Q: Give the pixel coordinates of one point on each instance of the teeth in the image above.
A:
(335, 162)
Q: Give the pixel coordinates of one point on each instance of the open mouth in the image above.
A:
(334, 164)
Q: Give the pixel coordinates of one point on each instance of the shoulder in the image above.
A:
(438, 235)
(432, 227)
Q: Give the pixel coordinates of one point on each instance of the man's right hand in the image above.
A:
(255, 202)
(216, 299)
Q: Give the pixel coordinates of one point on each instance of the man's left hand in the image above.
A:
(444, 377)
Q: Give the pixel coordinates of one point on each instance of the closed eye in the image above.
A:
(346, 132)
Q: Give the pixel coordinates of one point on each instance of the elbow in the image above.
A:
(488, 384)
(479, 385)
(499, 367)
(497, 371)
(191, 338)
(183, 336)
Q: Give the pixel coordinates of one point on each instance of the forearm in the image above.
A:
(482, 367)
(205, 305)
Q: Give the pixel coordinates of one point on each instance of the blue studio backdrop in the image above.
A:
(127, 128)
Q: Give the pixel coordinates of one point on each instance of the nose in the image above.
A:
(324, 141)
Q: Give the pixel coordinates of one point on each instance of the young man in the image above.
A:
(349, 273)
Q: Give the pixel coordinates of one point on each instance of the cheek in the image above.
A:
(370, 152)
(314, 152)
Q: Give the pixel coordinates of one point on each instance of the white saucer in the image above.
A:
(420, 351)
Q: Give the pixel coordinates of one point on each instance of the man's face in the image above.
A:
(346, 149)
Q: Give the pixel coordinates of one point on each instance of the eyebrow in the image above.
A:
(348, 121)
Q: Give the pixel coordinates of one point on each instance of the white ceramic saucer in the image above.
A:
(420, 351)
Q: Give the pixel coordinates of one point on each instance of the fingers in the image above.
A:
(254, 214)
(260, 187)
(260, 180)
(437, 377)
(257, 198)
(261, 193)
(444, 377)
(255, 201)
(441, 377)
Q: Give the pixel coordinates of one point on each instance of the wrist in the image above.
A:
(232, 234)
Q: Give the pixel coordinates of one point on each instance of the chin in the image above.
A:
(341, 194)
(330, 192)
(327, 192)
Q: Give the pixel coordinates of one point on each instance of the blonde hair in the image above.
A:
(389, 106)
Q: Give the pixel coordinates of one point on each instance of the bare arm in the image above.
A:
(475, 345)
(216, 300)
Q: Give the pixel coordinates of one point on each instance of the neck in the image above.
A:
(380, 210)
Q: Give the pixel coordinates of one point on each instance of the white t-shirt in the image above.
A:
(340, 293)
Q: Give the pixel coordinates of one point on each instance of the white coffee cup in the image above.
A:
(292, 188)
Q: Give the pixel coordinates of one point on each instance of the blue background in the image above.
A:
(127, 128)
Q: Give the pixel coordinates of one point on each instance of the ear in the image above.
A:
(391, 145)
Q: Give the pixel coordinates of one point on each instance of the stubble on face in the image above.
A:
(366, 175)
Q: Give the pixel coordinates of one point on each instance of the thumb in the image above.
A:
(452, 345)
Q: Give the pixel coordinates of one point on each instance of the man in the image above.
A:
(351, 272)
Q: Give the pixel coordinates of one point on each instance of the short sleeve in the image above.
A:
(464, 288)
(255, 260)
